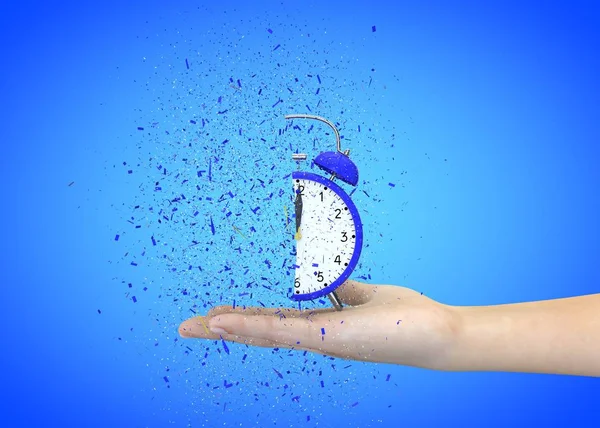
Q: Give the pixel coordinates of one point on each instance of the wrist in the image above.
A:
(481, 340)
(450, 332)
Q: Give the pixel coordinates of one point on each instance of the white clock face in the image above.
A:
(326, 237)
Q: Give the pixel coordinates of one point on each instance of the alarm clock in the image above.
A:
(327, 230)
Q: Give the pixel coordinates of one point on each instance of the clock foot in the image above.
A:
(335, 300)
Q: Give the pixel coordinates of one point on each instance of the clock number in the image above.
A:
(320, 276)
(321, 196)
(300, 190)
(339, 211)
(344, 237)
(297, 283)
(337, 260)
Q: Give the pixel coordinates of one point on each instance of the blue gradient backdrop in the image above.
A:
(496, 114)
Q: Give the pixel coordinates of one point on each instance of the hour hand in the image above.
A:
(298, 206)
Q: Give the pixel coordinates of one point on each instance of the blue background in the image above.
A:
(486, 117)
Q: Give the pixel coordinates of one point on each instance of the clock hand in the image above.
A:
(298, 206)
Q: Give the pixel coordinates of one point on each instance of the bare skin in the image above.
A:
(391, 324)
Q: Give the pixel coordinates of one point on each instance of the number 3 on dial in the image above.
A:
(328, 236)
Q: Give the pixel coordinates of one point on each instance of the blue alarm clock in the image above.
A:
(328, 233)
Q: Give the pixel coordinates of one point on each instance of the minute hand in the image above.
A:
(298, 206)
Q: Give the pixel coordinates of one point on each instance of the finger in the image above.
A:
(351, 293)
(197, 328)
(288, 332)
(356, 293)
(262, 343)
(251, 310)
(281, 312)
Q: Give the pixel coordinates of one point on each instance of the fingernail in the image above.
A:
(216, 326)
(217, 330)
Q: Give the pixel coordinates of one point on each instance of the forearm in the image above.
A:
(559, 336)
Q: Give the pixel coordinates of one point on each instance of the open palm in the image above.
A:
(383, 323)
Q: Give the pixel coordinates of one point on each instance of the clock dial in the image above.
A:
(326, 237)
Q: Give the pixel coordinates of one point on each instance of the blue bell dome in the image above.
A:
(339, 164)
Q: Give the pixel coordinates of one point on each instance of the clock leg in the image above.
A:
(335, 300)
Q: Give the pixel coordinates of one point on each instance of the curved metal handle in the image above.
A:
(321, 119)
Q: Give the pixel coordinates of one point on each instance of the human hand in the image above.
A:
(383, 323)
